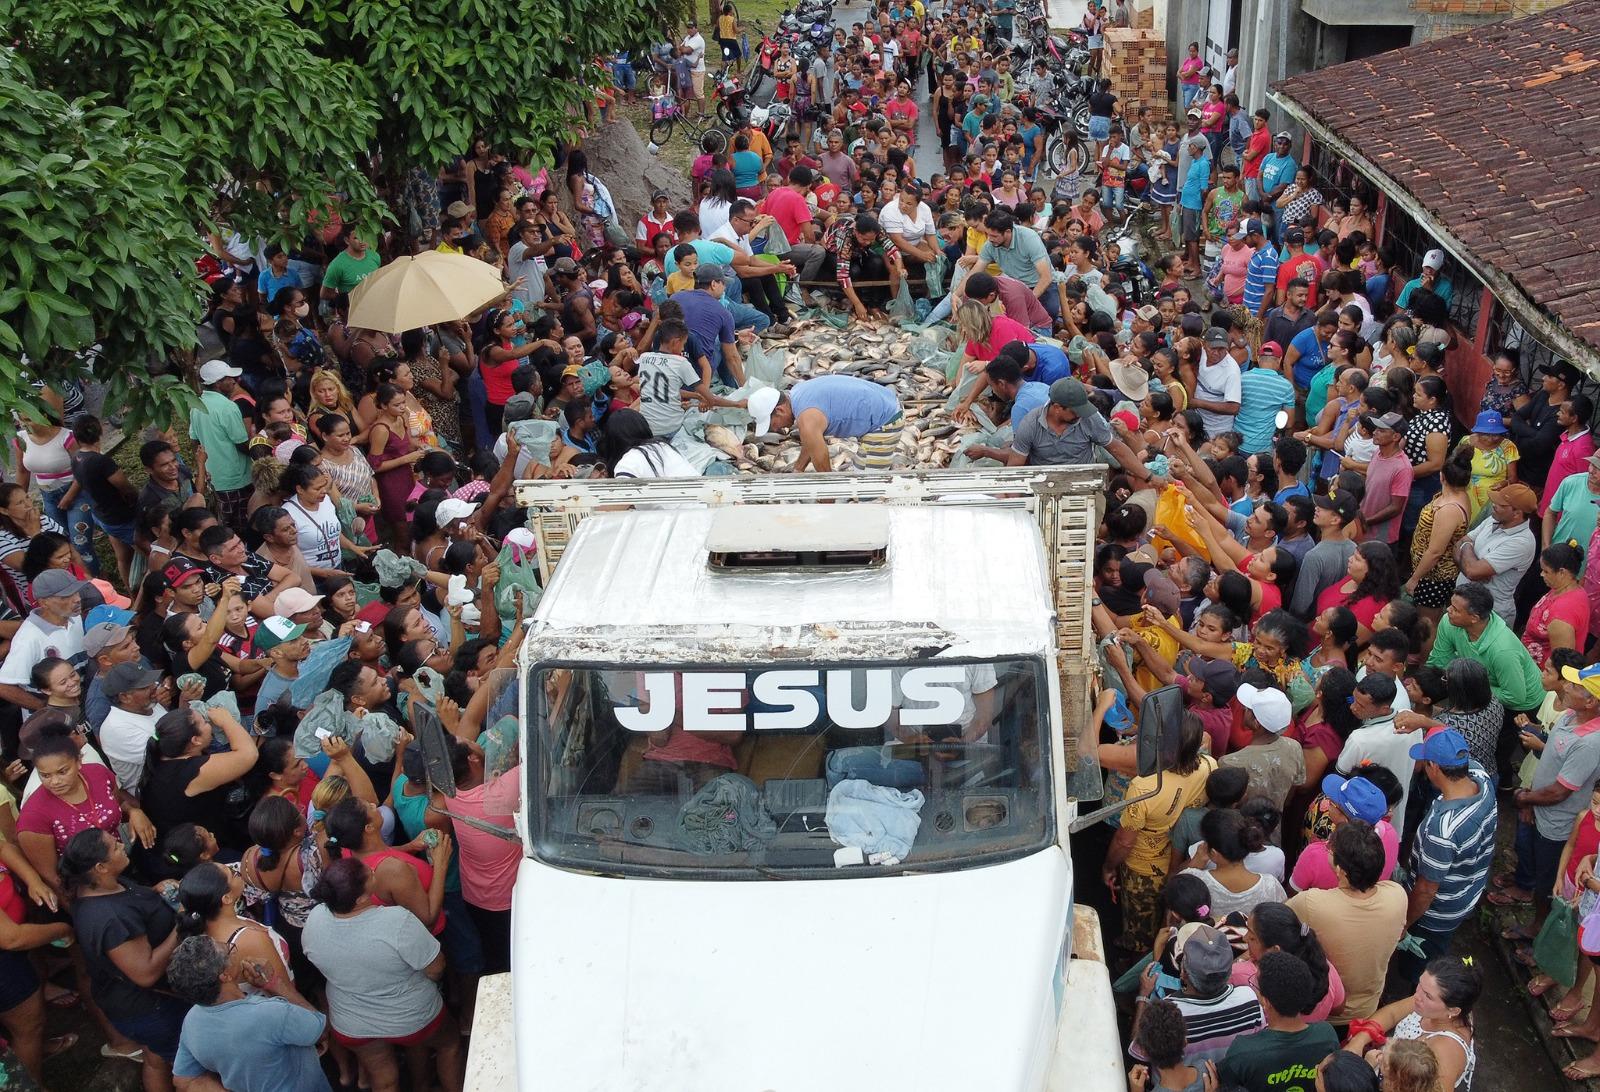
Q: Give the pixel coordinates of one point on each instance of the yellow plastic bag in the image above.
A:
(1170, 514)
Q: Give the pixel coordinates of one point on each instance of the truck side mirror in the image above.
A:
(1160, 726)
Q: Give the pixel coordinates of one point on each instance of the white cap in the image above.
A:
(293, 601)
(450, 509)
(1269, 704)
(1433, 259)
(213, 371)
(761, 405)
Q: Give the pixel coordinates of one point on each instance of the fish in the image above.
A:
(723, 439)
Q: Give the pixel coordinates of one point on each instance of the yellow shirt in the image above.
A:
(1160, 641)
(727, 27)
(760, 145)
(679, 281)
(1152, 820)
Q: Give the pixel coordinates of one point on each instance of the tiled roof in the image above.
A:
(1496, 133)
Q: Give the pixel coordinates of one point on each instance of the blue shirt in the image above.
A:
(1260, 275)
(269, 284)
(1454, 848)
(1195, 182)
(708, 251)
(1277, 170)
(1311, 357)
(1297, 489)
(1441, 288)
(746, 169)
(1030, 396)
(710, 324)
(1262, 393)
(255, 1044)
(1052, 363)
(853, 407)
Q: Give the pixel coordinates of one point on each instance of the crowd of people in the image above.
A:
(219, 826)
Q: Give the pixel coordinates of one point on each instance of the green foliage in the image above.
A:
(516, 71)
(98, 252)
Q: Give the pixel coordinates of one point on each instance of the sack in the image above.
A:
(1555, 949)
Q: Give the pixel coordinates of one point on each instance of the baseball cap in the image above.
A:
(519, 407)
(1070, 394)
(1205, 953)
(761, 404)
(180, 569)
(1356, 796)
(1270, 348)
(293, 601)
(276, 631)
(1391, 421)
(979, 100)
(1193, 113)
(1269, 704)
(1433, 259)
(1252, 226)
(1160, 591)
(1294, 237)
(103, 636)
(458, 209)
(571, 370)
(656, 195)
(1149, 313)
(1449, 747)
(1283, 136)
(707, 275)
(126, 677)
(1130, 380)
(1216, 338)
(1518, 495)
(54, 582)
(1490, 423)
(1342, 503)
(1214, 674)
(1562, 370)
(117, 616)
(1594, 462)
(1586, 677)
(214, 371)
(563, 265)
(450, 509)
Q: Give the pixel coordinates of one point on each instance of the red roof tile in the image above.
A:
(1496, 132)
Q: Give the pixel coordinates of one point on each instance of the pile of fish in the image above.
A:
(878, 351)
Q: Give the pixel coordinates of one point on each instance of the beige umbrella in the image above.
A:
(423, 289)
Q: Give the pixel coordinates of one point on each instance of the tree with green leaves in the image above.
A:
(153, 122)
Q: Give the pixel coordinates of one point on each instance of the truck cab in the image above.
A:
(798, 779)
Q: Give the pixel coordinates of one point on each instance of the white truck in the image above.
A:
(801, 755)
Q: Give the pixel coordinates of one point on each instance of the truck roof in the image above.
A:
(966, 578)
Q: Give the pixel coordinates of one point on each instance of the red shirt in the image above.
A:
(47, 813)
(1005, 329)
(900, 108)
(790, 210)
(1307, 266)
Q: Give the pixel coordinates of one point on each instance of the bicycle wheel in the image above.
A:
(713, 140)
(660, 131)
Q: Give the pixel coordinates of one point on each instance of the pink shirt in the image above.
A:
(1571, 607)
(1006, 329)
(488, 863)
(1235, 264)
(1388, 482)
(1572, 457)
(1314, 869)
(1245, 974)
(47, 813)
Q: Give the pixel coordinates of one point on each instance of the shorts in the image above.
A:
(697, 80)
(416, 1038)
(122, 532)
(18, 982)
(1099, 127)
(1141, 908)
(878, 448)
(1433, 594)
(1190, 225)
(156, 1028)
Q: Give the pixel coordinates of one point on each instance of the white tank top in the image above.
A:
(50, 461)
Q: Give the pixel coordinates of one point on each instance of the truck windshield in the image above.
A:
(740, 772)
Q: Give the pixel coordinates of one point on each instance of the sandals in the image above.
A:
(1561, 1015)
(1506, 897)
(1569, 1030)
(1577, 1071)
(63, 999)
(1538, 986)
(60, 1044)
(1516, 933)
(134, 1055)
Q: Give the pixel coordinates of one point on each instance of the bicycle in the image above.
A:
(667, 112)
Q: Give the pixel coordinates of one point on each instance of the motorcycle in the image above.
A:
(773, 120)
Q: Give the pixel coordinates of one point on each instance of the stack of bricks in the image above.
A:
(1136, 64)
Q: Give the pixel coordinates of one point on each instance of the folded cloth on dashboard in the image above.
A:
(874, 819)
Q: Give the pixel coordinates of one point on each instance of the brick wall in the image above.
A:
(1136, 65)
(1484, 7)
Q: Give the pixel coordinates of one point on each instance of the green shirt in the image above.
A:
(218, 427)
(1020, 260)
(345, 272)
(412, 814)
(1512, 675)
(1277, 1061)
(1317, 393)
(1578, 508)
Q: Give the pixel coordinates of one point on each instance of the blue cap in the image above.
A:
(1357, 797)
(1490, 423)
(1446, 748)
(115, 615)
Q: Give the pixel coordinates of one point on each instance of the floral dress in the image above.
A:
(1489, 470)
(1501, 397)
(445, 414)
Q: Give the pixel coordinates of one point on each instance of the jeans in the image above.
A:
(623, 76)
(943, 309)
(77, 520)
(1190, 92)
(1113, 196)
(1052, 302)
(746, 316)
(1252, 189)
(477, 407)
(1537, 857)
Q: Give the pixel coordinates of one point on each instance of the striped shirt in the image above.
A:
(1455, 846)
(1261, 273)
(1212, 1024)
